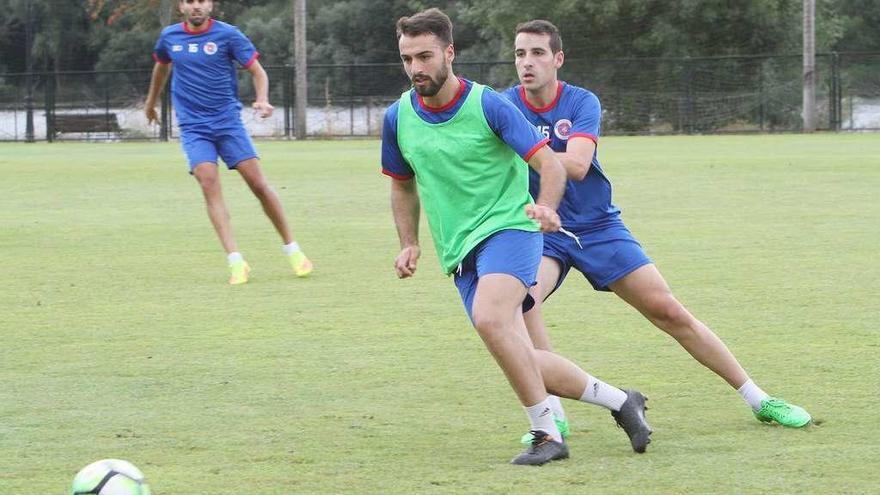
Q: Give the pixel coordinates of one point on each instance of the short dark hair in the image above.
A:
(540, 26)
(431, 21)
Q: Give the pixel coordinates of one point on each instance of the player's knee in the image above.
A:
(261, 189)
(670, 315)
(208, 181)
(488, 323)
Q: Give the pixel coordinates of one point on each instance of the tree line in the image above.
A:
(119, 34)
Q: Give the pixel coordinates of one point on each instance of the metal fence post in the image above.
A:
(50, 109)
(684, 106)
(762, 103)
(165, 118)
(369, 102)
(835, 97)
(286, 86)
(851, 124)
(351, 100)
(107, 107)
(29, 109)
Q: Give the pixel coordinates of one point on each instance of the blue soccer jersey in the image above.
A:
(503, 118)
(204, 84)
(575, 113)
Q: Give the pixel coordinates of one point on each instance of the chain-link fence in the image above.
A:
(639, 96)
(858, 96)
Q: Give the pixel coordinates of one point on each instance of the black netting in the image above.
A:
(639, 96)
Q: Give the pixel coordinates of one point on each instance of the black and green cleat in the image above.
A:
(542, 450)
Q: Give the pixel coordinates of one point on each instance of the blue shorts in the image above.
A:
(227, 138)
(514, 252)
(605, 255)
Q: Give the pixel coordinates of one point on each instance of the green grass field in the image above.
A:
(122, 339)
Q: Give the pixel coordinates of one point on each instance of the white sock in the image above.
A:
(752, 394)
(291, 248)
(541, 417)
(556, 406)
(602, 394)
(234, 257)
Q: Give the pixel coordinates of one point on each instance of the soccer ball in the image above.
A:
(110, 477)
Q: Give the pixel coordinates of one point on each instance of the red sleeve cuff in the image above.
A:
(253, 59)
(528, 156)
(396, 176)
(159, 60)
(584, 135)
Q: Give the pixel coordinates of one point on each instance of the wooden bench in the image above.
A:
(85, 122)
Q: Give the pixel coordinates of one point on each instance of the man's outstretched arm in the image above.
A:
(261, 87)
(157, 84)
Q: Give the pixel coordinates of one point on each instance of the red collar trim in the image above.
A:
(522, 95)
(447, 106)
(200, 31)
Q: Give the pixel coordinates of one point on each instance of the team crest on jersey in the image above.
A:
(562, 129)
(210, 48)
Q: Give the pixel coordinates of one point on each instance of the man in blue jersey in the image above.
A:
(601, 247)
(204, 90)
(460, 149)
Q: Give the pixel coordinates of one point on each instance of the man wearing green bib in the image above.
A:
(460, 149)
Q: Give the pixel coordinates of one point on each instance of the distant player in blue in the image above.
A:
(597, 243)
(204, 91)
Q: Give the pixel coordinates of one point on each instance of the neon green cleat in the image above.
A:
(301, 265)
(783, 413)
(238, 272)
(561, 424)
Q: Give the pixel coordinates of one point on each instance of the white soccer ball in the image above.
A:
(110, 477)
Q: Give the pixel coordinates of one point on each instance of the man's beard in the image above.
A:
(434, 86)
(198, 21)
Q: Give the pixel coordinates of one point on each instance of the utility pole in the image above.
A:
(29, 68)
(809, 104)
(300, 67)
